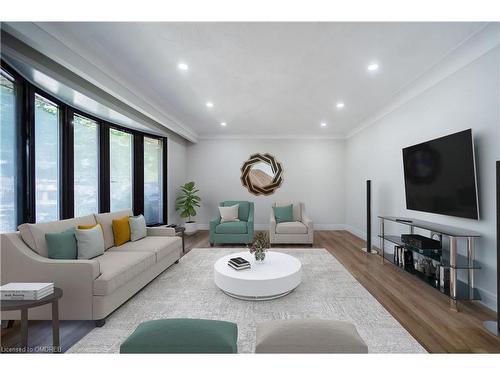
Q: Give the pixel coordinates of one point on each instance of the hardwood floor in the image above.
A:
(421, 309)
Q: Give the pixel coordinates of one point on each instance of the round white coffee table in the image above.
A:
(279, 275)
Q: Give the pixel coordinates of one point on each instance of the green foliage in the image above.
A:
(187, 201)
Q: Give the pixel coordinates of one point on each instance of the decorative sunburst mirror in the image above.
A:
(261, 174)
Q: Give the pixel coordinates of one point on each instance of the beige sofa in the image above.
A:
(92, 289)
(299, 231)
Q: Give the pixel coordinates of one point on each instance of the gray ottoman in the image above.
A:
(308, 336)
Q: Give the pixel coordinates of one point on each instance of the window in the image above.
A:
(59, 162)
(8, 154)
(153, 183)
(46, 160)
(86, 167)
(120, 154)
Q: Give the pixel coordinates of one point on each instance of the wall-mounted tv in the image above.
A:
(440, 176)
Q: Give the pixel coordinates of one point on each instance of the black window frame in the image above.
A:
(26, 208)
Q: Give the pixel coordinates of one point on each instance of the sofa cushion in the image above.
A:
(297, 209)
(121, 230)
(137, 227)
(61, 245)
(291, 227)
(283, 214)
(106, 220)
(117, 268)
(90, 242)
(229, 213)
(232, 227)
(243, 208)
(182, 336)
(308, 336)
(160, 246)
(34, 234)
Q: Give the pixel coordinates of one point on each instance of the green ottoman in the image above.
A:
(182, 336)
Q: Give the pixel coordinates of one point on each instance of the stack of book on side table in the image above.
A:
(238, 263)
(26, 291)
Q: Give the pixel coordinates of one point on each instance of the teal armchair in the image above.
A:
(234, 232)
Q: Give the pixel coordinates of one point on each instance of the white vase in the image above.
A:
(191, 227)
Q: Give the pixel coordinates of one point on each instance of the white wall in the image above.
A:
(461, 92)
(313, 173)
(177, 158)
(468, 98)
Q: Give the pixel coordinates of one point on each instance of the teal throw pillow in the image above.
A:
(283, 214)
(62, 245)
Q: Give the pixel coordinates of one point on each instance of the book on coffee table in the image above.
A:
(238, 268)
(238, 263)
(26, 291)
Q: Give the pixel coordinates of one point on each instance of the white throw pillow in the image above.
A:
(229, 213)
(137, 227)
(89, 242)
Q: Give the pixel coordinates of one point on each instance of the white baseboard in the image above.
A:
(488, 299)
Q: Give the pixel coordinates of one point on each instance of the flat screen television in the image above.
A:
(440, 176)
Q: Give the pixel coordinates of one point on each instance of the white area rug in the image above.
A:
(187, 290)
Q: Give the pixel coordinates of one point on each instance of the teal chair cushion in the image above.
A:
(283, 214)
(243, 209)
(182, 336)
(232, 227)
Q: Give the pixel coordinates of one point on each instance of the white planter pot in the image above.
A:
(191, 228)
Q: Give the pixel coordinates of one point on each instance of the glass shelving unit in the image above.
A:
(449, 259)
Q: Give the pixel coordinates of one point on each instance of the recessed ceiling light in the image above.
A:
(209, 104)
(340, 105)
(223, 124)
(323, 124)
(372, 67)
(183, 66)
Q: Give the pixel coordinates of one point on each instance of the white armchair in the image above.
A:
(299, 231)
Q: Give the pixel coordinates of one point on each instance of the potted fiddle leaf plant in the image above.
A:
(187, 203)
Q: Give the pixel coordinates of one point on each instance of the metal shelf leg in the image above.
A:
(453, 273)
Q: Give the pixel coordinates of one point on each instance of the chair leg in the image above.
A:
(211, 244)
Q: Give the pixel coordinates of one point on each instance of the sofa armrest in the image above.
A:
(160, 232)
(272, 223)
(308, 223)
(213, 223)
(250, 224)
(76, 277)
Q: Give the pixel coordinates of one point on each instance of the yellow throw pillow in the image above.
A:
(121, 230)
(89, 226)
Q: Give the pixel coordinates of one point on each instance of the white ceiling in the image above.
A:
(265, 79)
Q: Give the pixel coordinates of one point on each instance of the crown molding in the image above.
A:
(42, 40)
(478, 44)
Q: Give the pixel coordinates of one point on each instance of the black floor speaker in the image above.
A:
(368, 247)
(491, 325)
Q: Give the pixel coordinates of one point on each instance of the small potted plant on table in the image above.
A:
(259, 247)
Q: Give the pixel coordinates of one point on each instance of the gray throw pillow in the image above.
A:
(137, 227)
(90, 242)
